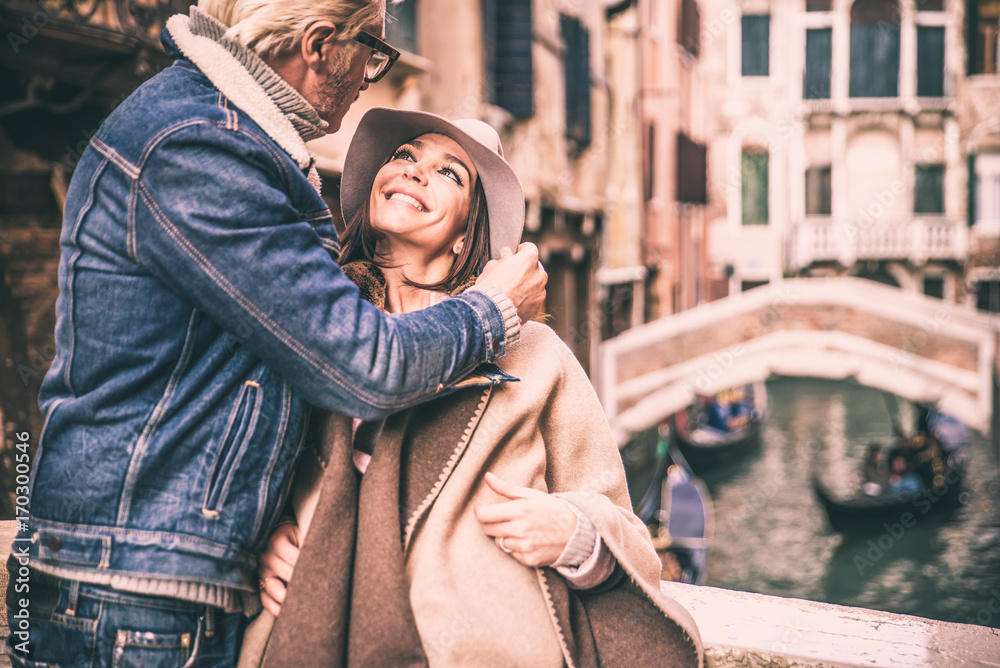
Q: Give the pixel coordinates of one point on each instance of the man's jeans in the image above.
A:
(75, 625)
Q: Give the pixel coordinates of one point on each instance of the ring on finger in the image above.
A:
(502, 546)
(263, 582)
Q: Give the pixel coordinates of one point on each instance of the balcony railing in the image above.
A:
(130, 21)
(824, 238)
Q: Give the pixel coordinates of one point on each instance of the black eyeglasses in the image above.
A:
(382, 58)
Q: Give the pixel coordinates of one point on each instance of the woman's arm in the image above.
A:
(583, 469)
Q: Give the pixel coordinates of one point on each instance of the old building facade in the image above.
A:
(846, 141)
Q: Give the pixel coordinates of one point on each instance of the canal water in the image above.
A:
(772, 537)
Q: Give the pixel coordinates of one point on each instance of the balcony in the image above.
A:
(919, 239)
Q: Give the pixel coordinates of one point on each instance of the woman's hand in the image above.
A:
(533, 526)
(276, 564)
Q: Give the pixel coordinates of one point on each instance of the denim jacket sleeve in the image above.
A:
(215, 222)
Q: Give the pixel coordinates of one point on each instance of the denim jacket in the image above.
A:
(200, 314)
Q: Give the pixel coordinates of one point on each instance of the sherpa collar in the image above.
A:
(251, 85)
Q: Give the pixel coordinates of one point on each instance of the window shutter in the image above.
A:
(819, 47)
(971, 201)
(689, 34)
(754, 170)
(576, 73)
(930, 61)
(692, 172)
(508, 34)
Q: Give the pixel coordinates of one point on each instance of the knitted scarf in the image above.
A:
(251, 84)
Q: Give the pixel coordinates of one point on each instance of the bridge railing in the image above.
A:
(827, 238)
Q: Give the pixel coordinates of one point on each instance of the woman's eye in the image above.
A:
(403, 154)
(452, 174)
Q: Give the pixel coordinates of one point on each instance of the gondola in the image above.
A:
(677, 509)
(867, 512)
(705, 446)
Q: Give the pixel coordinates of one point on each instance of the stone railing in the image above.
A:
(742, 629)
(824, 238)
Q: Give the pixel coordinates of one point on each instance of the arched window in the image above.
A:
(874, 48)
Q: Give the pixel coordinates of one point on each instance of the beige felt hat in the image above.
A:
(383, 130)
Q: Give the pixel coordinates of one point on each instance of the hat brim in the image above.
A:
(383, 130)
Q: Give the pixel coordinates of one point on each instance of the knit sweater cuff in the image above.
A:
(596, 566)
(580, 546)
(511, 321)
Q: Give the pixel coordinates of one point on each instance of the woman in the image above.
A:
(493, 524)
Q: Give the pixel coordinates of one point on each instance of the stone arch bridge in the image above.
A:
(916, 347)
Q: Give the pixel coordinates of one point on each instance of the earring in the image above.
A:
(457, 248)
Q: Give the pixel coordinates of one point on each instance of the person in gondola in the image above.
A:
(717, 413)
(499, 511)
(876, 470)
(928, 462)
(901, 478)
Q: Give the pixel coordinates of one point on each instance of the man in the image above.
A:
(200, 314)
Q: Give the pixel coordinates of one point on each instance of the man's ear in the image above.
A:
(318, 44)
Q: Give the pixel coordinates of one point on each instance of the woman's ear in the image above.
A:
(319, 43)
(459, 245)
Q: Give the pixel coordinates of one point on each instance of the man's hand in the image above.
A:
(276, 564)
(520, 276)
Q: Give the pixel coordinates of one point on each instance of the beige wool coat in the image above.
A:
(418, 542)
(473, 603)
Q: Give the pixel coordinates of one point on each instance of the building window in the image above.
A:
(401, 30)
(617, 309)
(928, 189)
(988, 296)
(934, 286)
(874, 48)
(692, 171)
(818, 191)
(930, 61)
(986, 193)
(982, 35)
(750, 285)
(649, 174)
(576, 71)
(754, 170)
(756, 30)
(819, 47)
(819, 5)
(507, 35)
(689, 34)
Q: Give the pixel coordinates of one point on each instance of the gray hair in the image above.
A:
(271, 27)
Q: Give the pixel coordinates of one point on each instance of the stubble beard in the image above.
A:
(333, 93)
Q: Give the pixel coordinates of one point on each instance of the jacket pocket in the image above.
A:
(241, 426)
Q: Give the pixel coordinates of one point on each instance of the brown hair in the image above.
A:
(360, 240)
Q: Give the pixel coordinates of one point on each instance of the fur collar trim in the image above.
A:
(236, 82)
(372, 285)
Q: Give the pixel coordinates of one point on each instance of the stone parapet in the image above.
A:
(743, 629)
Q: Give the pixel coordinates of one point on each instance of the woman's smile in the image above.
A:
(433, 176)
(405, 198)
